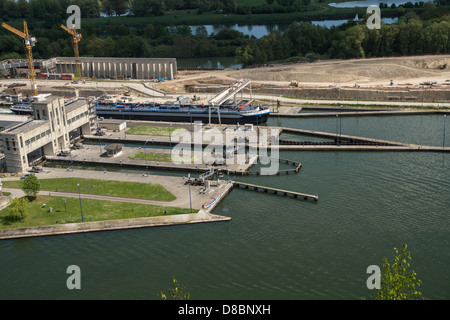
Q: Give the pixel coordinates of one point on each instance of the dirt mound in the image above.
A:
(372, 72)
(356, 70)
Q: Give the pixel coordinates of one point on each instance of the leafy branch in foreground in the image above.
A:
(397, 281)
(178, 292)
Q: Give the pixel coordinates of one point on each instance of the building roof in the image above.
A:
(112, 59)
(75, 105)
(24, 126)
(114, 147)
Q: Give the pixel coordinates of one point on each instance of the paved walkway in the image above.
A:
(175, 185)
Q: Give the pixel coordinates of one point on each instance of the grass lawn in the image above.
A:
(93, 210)
(102, 187)
(152, 130)
(153, 156)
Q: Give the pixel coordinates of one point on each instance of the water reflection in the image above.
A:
(366, 3)
(259, 31)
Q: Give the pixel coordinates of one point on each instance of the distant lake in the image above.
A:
(212, 63)
(366, 3)
(259, 31)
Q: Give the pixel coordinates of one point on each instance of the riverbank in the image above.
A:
(110, 225)
(183, 202)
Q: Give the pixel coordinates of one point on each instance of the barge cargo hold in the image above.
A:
(248, 114)
(223, 108)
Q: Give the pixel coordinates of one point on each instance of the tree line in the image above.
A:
(426, 33)
(54, 9)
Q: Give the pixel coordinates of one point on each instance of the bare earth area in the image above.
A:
(403, 71)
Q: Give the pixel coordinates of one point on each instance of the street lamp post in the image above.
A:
(190, 199)
(337, 131)
(81, 207)
(99, 135)
(146, 167)
(170, 137)
(71, 161)
(443, 137)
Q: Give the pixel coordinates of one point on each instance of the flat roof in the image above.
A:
(112, 59)
(114, 147)
(75, 105)
(25, 126)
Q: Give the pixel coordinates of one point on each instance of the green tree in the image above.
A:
(178, 292)
(118, 6)
(31, 186)
(397, 281)
(17, 209)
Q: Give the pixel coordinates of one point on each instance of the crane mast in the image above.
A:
(76, 37)
(29, 42)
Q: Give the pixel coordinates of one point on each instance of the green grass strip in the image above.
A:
(70, 212)
(125, 189)
(152, 130)
(167, 157)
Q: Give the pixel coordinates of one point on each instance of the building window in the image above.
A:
(21, 141)
(51, 121)
(57, 117)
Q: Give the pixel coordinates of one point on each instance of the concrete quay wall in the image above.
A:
(109, 225)
(335, 93)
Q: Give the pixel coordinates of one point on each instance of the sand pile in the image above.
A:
(366, 72)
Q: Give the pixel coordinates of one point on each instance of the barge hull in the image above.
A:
(224, 118)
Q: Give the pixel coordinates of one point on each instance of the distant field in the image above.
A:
(102, 187)
(93, 210)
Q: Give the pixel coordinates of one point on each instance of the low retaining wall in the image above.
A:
(335, 93)
(200, 217)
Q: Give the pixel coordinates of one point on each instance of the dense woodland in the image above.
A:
(422, 29)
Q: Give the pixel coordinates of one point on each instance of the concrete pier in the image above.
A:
(357, 113)
(356, 143)
(276, 190)
(109, 225)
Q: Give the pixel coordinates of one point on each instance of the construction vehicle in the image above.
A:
(76, 37)
(29, 42)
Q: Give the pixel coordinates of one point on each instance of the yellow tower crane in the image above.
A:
(76, 37)
(29, 42)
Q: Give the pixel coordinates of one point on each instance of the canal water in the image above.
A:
(367, 3)
(274, 247)
(259, 31)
